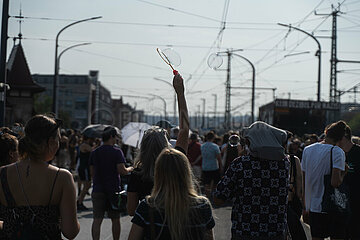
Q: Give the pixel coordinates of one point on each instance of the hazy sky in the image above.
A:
(123, 46)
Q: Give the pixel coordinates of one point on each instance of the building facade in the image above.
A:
(83, 100)
(124, 113)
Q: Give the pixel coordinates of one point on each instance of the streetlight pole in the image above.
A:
(56, 72)
(66, 49)
(58, 62)
(203, 113)
(215, 106)
(253, 86)
(175, 107)
(318, 54)
(156, 96)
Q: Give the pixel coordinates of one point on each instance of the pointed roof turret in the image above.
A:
(18, 72)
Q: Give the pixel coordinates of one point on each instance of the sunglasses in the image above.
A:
(58, 124)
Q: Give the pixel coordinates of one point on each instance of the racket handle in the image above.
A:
(175, 72)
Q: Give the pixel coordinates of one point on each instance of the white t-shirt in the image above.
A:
(316, 163)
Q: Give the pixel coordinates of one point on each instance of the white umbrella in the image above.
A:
(133, 132)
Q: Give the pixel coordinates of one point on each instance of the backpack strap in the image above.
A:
(293, 171)
(331, 161)
(5, 186)
(52, 188)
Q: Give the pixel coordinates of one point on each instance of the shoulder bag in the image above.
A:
(335, 200)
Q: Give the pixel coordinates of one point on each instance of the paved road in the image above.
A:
(222, 226)
(221, 215)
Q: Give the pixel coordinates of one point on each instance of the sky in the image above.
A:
(124, 41)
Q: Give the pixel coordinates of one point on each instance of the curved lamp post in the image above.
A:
(229, 53)
(164, 81)
(66, 49)
(56, 73)
(253, 86)
(318, 54)
(156, 96)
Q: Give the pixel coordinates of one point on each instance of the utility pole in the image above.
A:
(203, 114)
(333, 96)
(228, 93)
(353, 89)
(197, 116)
(4, 37)
(215, 106)
(333, 69)
(334, 93)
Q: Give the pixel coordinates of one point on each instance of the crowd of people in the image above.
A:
(273, 179)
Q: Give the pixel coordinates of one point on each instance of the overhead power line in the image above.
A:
(158, 24)
(161, 45)
(218, 40)
(178, 10)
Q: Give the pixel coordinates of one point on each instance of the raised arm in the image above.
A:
(182, 140)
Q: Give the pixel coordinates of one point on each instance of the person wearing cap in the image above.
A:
(106, 163)
(165, 124)
(258, 185)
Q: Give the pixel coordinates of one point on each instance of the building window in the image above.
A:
(14, 93)
(81, 105)
(25, 93)
(82, 81)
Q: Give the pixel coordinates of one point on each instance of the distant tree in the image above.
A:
(65, 117)
(42, 104)
(354, 123)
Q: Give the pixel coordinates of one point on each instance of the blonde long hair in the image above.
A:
(174, 192)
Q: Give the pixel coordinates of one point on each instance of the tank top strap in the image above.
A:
(6, 189)
(52, 188)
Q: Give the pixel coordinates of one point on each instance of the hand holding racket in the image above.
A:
(170, 57)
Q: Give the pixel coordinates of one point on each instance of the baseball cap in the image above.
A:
(111, 131)
(164, 124)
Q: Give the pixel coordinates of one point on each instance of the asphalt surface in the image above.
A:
(222, 228)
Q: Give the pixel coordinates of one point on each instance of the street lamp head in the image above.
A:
(93, 18)
(284, 25)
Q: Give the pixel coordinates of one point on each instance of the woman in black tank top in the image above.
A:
(32, 202)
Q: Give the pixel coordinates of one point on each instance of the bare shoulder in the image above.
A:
(64, 175)
(10, 167)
